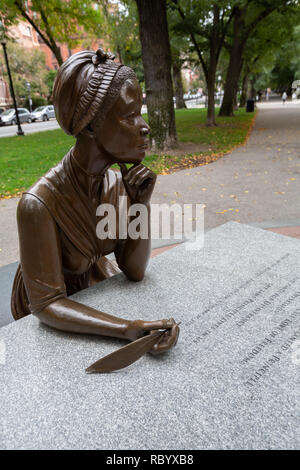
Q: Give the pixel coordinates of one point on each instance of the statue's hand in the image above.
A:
(139, 182)
(139, 328)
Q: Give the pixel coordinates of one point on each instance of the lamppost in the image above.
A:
(221, 93)
(219, 82)
(12, 91)
(28, 88)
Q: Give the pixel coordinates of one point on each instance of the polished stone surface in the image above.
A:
(232, 382)
(7, 274)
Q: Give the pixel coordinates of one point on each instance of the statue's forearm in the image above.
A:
(134, 258)
(133, 255)
(68, 315)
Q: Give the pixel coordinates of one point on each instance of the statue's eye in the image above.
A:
(131, 116)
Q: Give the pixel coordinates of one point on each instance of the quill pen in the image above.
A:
(126, 355)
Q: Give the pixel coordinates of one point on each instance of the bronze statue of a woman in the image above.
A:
(99, 102)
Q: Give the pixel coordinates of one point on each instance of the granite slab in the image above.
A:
(232, 382)
(7, 275)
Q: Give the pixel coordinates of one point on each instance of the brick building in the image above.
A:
(25, 35)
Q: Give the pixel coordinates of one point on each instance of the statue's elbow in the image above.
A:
(136, 275)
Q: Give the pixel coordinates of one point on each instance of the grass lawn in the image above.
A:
(24, 159)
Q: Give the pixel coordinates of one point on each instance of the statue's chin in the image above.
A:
(137, 158)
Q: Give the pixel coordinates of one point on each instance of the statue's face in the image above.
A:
(123, 135)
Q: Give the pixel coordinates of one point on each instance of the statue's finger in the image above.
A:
(158, 324)
(123, 169)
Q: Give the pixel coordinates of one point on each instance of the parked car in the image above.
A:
(44, 113)
(2, 110)
(9, 116)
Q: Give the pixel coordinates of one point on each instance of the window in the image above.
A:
(8, 112)
(2, 88)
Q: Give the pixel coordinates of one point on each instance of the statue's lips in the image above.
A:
(143, 147)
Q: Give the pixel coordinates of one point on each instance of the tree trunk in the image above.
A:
(156, 58)
(178, 87)
(245, 85)
(232, 79)
(212, 68)
(210, 82)
(235, 100)
(56, 51)
(119, 54)
(234, 67)
(235, 96)
(253, 91)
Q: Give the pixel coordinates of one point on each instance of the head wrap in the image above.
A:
(86, 86)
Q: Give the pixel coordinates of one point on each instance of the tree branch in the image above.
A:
(54, 47)
(225, 28)
(50, 42)
(258, 19)
(193, 38)
(19, 6)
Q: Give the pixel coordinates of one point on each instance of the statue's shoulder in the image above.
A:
(44, 186)
(31, 208)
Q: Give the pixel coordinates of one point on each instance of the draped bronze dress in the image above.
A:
(59, 249)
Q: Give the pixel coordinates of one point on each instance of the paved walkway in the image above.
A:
(258, 183)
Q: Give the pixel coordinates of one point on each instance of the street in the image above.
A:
(38, 126)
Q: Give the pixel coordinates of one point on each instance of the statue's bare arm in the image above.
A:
(41, 263)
